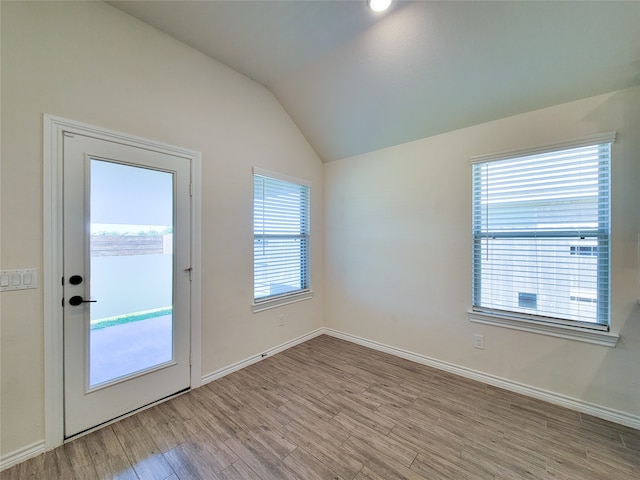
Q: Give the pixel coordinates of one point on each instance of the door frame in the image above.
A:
(53, 130)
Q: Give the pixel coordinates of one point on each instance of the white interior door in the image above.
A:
(126, 279)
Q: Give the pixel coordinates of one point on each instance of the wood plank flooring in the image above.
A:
(329, 409)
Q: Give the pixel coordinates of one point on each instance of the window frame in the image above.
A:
(271, 301)
(597, 333)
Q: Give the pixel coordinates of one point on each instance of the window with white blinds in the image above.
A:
(541, 235)
(280, 237)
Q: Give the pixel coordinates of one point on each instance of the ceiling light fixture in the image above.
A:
(379, 5)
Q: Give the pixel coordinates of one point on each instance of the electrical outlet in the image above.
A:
(281, 320)
(478, 341)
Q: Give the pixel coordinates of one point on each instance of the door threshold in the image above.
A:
(129, 414)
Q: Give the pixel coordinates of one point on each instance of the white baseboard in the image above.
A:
(210, 377)
(22, 454)
(605, 413)
(622, 418)
(35, 449)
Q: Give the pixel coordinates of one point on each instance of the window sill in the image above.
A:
(282, 300)
(606, 339)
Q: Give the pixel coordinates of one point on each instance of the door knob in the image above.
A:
(75, 280)
(77, 300)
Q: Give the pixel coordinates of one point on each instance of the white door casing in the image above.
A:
(108, 185)
(55, 129)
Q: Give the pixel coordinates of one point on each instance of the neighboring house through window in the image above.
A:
(541, 235)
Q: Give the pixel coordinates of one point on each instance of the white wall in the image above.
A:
(397, 220)
(89, 62)
(153, 271)
(398, 253)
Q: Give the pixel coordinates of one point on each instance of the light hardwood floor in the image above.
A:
(329, 409)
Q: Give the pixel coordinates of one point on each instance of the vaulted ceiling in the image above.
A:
(355, 81)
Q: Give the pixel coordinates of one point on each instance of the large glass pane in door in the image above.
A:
(131, 270)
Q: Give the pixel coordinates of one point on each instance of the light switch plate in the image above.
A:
(22, 279)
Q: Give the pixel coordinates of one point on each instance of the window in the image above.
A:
(541, 235)
(588, 250)
(280, 238)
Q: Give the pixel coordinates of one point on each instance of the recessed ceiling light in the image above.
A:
(379, 5)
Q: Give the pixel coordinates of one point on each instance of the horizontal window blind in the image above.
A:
(281, 237)
(541, 236)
